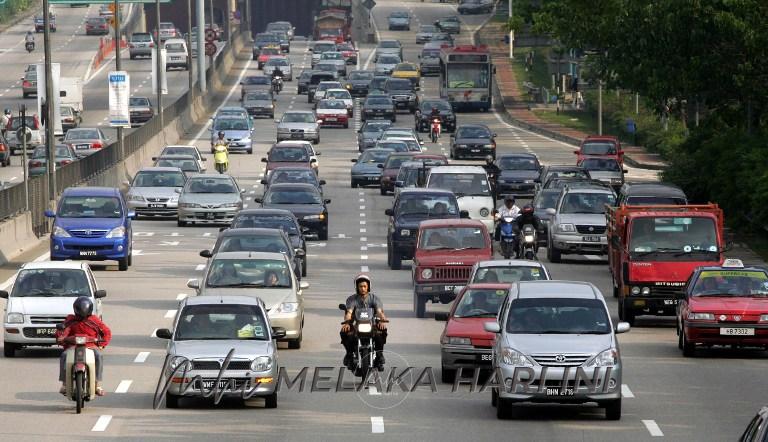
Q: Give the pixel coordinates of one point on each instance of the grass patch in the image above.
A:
(579, 120)
(539, 75)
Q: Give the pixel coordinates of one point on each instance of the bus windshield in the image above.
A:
(468, 75)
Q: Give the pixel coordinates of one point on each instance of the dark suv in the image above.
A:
(423, 115)
(316, 78)
(402, 92)
(411, 207)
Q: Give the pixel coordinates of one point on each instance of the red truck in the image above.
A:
(653, 250)
(446, 250)
(605, 146)
(334, 25)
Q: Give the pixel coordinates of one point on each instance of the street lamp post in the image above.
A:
(159, 67)
(189, 45)
(49, 107)
(118, 65)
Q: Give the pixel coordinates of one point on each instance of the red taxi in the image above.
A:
(724, 305)
(600, 145)
(332, 113)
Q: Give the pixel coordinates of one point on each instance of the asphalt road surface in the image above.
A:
(711, 397)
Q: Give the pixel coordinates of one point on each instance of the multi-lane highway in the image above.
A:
(711, 397)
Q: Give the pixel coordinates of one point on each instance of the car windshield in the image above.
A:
(159, 179)
(546, 200)
(288, 154)
(398, 84)
(211, 185)
(473, 132)
(731, 282)
(230, 124)
(518, 163)
(51, 283)
(233, 113)
(138, 102)
(258, 96)
(397, 146)
(428, 206)
(389, 59)
(141, 37)
(440, 105)
(294, 176)
(298, 118)
(468, 75)
(461, 184)
(507, 274)
(360, 76)
(395, 161)
(339, 95)
(430, 53)
(266, 38)
(480, 303)
(185, 164)
(266, 221)
(328, 67)
(260, 79)
(90, 207)
(558, 316)
(454, 238)
(16, 122)
(578, 173)
(373, 156)
(655, 201)
(586, 203)
(324, 47)
(82, 134)
(293, 196)
(66, 111)
(249, 272)
(601, 165)
(166, 26)
(252, 243)
(376, 127)
(598, 148)
(222, 321)
(405, 67)
(96, 21)
(378, 101)
(389, 44)
(331, 104)
(677, 238)
(277, 62)
(41, 152)
(324, 86)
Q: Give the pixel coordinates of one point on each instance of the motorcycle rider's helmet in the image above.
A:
(83, 307)
(221, 134)
(363, 277)
(7, 111)
(489, 159)
(527, 210)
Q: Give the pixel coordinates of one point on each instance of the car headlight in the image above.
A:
(349, 86)
(117, 232)
(488, 146)
(262, 363)
(288, 307)
(231, 205)
(426, 273)
(484, 212)
(14, 318)
(461, 146)
(567, 228)
(455, 340)
(510, 356)
(174, 199)
(61, 233)
(606, 358)
(405, 232)
(135, 197)
(189, 205)
(694, 316)
(177, 361)
(528, 181)
(764, 318)
(528, 238)
(314, 216)
(635, 290)
(646, 291)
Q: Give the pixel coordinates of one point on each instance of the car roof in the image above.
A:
(556, 289)
(248, 231)
(518, 155)
(211, 175)
(450, 222)
(298, 112)
(75, 265)
(591, 188)
(488, 285)
(229, 299)
(458, 169)
(159, 169)
(92, 191)
(483, 126)
(249, 255)
(266, 212)
(175, 40)
(176, 156)
(424, 191)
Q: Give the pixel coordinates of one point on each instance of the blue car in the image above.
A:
(92, 224)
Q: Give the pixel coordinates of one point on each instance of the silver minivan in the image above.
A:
(556, 344)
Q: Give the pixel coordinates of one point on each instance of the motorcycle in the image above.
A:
(364, 324)
(221, 157)
(506, 236)
(277, 84)
(528, 245)
(30, 45)
(80, 374)
(435, 131)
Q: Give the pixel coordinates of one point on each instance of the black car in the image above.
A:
(254, 83)
(303, 200)
(315, 79)
(644, 194)
(357, 83)
(377, 83)
(402, 92)
(379, 107)
(442, 37)
(473, 140)
(411, 207)
(450, 25)
(518, 174)
(273, 240)
(274, 219)
(475, 7)
(425, 33)
(423, 116)
(370, 132)
(366, 171)
(302, 81)
(545, 199)
(301, 175)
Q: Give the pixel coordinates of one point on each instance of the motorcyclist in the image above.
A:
(527, 216)
(221, 140)
(29, 38)
(507, 209)
(275, 74)
(363, 298)
(83, 323)
(221, 156)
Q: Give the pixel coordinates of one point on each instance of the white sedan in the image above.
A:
(342, 95)
(282, 63)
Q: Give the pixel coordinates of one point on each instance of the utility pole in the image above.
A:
(599, 107)
(248, 17)
(159, 67)
(23, 115)
(50, 137)
(189, 45)
(200, 11)
(118, 65)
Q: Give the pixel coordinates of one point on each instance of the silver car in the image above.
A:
(386, 63)
(140, 45)
(607, 170)
(389, 47)
(153, 191)
(269, 276)
(205, 330)
(279, 62)
(336, 58)
(298, 125)
(237, 131)
(578, 223)
(551, 335)
(209, 199)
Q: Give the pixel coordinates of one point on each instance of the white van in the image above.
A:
(472, 189)
(177, 55)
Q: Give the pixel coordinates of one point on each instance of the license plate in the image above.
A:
(671, 301)
(208, 384)
(88, 253)
(475, 150)
(83, 146)
(210, 215)
(449, 288)
(331, 119)
(45, 331)
(485, 358)
(559, 392)
(156, 206)
(372, 178)
(733, 331)
(297, 135)
(590, 238)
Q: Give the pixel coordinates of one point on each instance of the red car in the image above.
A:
(267, 53)
(96, 26)
(600, 145)
(464, 343)
(724, 305)
(287, 155)
(332, 113)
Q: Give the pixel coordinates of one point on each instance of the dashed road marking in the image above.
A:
(363, 257)
(103, 423)
(653, 428)
(123, 386)
(141, 357)
(362, 230)
(364, 269)
(626, 392)
(377, 424)
(181, 296)
(362, 222)
(363, 248)
(363, 239)
(200, 267)
(170, 314)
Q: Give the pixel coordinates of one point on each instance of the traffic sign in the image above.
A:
(24, 133)
(210, 35)
(210, 49)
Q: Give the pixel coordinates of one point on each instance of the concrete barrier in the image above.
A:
(16, 237)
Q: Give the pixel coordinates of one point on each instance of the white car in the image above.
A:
(185, 149)
(177, 54)
(41, 297)
(324, 87)
(471, 187)
(283, 63)
(343, 95)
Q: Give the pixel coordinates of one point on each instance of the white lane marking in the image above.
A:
(143, 233)
(363, 257)
(362, 223)
(653, 428)
(363, 248)
(170, 314)
(592, 257)
(181, 296)
(207, 234)
(13, 178)
(377, 424)
(626, 392)
(361, 193)
(364, 269)
(124, 386)
(362, 231)
(498, 117)
(373, 391)
(200, 267)
(362, 207)
(141, 357)
(363, 239)
(235, 86)
(341, 236)
(103, 423)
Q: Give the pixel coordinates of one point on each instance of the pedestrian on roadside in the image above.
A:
(4, 120)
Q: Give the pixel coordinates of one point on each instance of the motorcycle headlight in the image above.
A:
(426, 273)
(61, 233)
(528, 238)
(701, 316)
(132, 197)
(364, 328)
(567, 228)
(262, 363)
(405, 232)
(484, 212)
(510, 356)
(606, 358)
(80, 340)
(455, 340)
(117, 232)
(14, 318)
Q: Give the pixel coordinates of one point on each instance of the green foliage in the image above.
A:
(12, 7)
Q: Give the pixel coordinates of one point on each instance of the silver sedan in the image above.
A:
(153, 191)
(209, 199)
(298, 125)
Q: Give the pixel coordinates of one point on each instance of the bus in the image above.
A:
(466, 77)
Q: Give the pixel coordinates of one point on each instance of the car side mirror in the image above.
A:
(131, 215)
(622, 327)
(457, 290)
(203, 159)
(163, 333)
(317, 154)
(263, 181)
(327, 201)
(353, 160)
(464, 214)
(49, 214)
(304, 229)
(321, 182)
(194, 284)
(380, 166)
(278, 333)
(441, 316)
(303, 285)
(98, 294)
(492, 327)
(313, 160)
(575, 152)
(126, 183)
(206, 253)
(319, 121)
(263, 160)
(177, 190)
(551, 211)
(399, 183)
(299, 252)
(625, 170)
(257, 199)
(389, 212)
(3, 294)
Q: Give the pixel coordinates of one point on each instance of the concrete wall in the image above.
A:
(16, 237)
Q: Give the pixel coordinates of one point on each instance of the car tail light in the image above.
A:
(2, 147)
(26, 84)
(151, 45)
(68, 119)
(35, 164)
(65, 162)
(96, 145)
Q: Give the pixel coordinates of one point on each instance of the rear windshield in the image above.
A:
(266, 221)
(398, 84)
(508, 274)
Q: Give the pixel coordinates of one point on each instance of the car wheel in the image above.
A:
(382, 191)
(171, 400)
(689, 349)
(503, 409)
(553, 254)
(680, 345)
(9, 349)
(181, 223)
(323, 235)
(270, 401)
(626, 313)
(130, 258)
(450, 154)
(304, 267)
(419, 305)
(615, 292)
(397, 260)
(346, 125)
(295, 344)
(250, 151)
(316, 141)
(447, 375)
(25, 95)
(494, 397)
(613, 410)
(122, 264)
(353, 184)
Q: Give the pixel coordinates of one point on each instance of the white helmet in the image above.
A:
(362, 277)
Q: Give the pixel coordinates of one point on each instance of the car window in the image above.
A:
(253, 243)
(51, 283)
(389, 59)
(394, 161)
(294, 176)
(257, 79)
(473, 132)
(211, 185)
(221, 321)
(518, 163)
(179, 150)
(586, 203)
(360, 76)
(141, 37)
(378, 101)
(82, 134)
(458, 238)
(288, 154)
(373, 156)
(185, 164)
(399, 84)
(752, 283)
(175, 47)
(277, 62)
(293, 196)
(138, 101)
(427, 28)
(230, 124)
(266, 221)
(249, 273)
(66, 111)
(508, 274)
(159, 179)
(480, 303)
(341, 95)
(598, 148)
(331, 104)
(397, 146)
(427, 106)
(601, 164)
(431, 206)
(557, 316)
(90, 207)
(298, 118)
(389, 44)
(42, 152)
(405, 67)
(546, 200)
